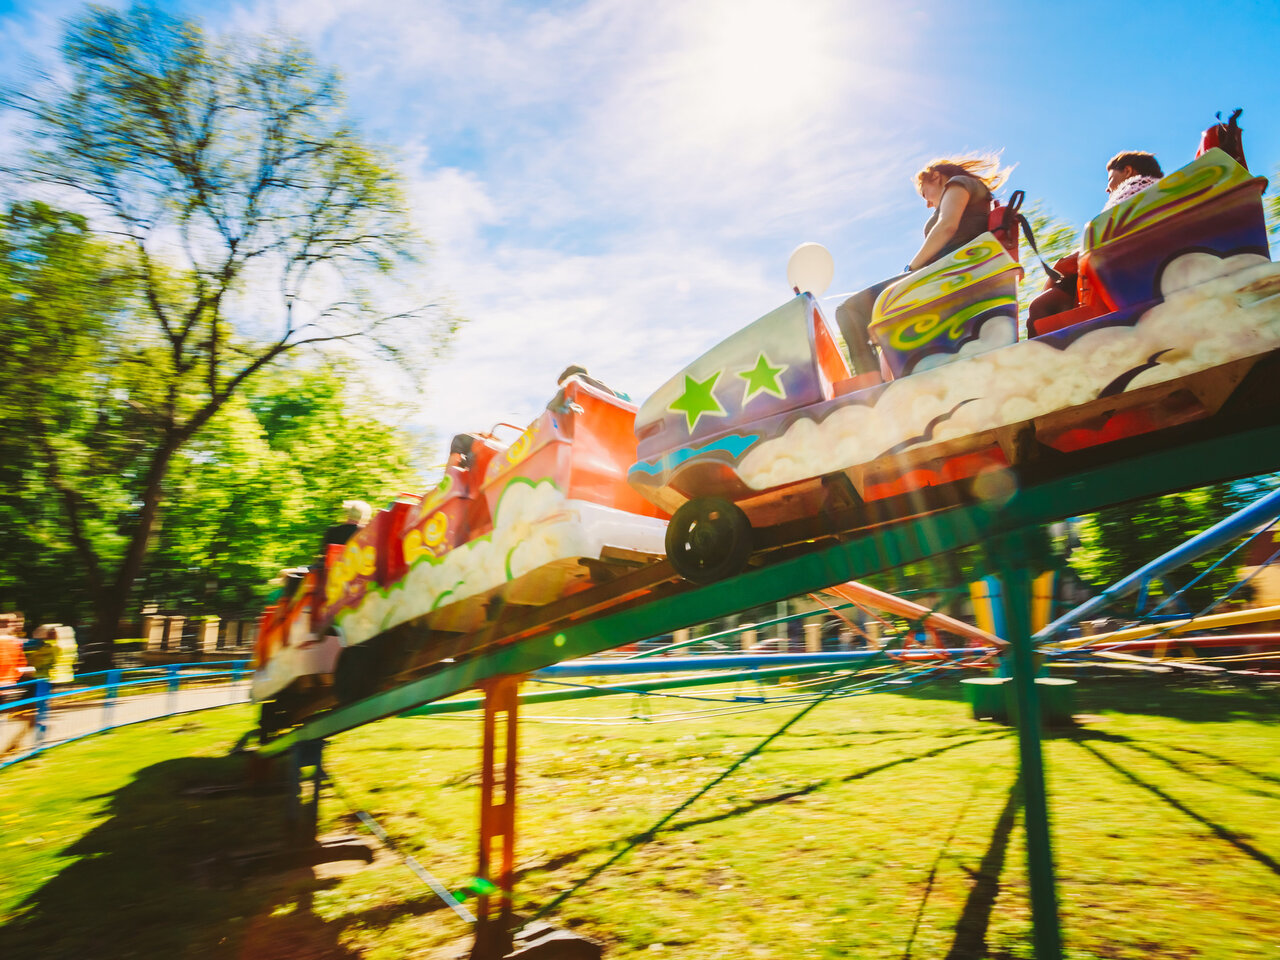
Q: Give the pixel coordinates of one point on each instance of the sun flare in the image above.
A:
(756, 65)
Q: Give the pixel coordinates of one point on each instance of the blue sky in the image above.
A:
(618, 183)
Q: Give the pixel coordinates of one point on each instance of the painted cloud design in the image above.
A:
(1215, 310)
(535, 525)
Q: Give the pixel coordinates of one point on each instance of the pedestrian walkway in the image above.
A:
(68, 720)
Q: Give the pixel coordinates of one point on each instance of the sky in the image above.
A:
(619, 183)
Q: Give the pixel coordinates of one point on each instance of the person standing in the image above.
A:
(16, 683)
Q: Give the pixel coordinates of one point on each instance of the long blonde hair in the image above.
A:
(983, 166)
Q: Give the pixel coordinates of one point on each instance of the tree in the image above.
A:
(1118, 540)
(256, 221)
(1055, 238)
(61, 289)
(253, 492)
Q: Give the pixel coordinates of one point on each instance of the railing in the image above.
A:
(47, 717)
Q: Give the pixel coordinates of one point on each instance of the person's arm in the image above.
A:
(954, 199)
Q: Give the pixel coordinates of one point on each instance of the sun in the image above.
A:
(753, 66)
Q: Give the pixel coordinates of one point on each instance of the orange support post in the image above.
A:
(497, 817)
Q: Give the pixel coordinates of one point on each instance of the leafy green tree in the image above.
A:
(1055, 238)
(256, 222)
(254, 491)
(61, 292)
(1117, 541)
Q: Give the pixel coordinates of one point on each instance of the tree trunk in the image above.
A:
(111, 601)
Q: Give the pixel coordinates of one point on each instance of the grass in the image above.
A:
(877, 826)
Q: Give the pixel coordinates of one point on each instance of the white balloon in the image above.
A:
(810, 269)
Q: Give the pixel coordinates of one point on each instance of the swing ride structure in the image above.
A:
(765, 470)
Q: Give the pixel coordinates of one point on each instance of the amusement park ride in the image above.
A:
(765, 469)
(767, 446)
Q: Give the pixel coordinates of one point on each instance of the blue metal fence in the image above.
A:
(35, 710)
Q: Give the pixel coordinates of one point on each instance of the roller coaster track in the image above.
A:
(1243, 440)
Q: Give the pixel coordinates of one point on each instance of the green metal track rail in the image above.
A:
(1204, 459)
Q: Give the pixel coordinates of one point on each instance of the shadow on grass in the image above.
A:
(1147, 748)
(1216, 828)
(1192, 698)
(970, 942)
(835, 747)
(971, 931)
(1232, 764)
(822, 784)
(157, 878)
(572, 856)
(1185, 770)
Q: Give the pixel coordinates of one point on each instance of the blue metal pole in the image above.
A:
(631, 666)
(1262, 511)
(171, 672)
(41, 692)
(109, 696)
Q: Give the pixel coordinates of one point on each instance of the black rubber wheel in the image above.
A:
(709, 539)
(357, 674)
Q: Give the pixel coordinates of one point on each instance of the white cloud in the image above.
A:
(617, 184)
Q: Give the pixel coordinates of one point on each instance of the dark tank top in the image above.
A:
(974, 219)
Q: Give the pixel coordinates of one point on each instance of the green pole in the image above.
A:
(1013, 557)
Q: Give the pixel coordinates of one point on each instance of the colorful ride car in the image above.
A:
(510, 526)
(767, 426)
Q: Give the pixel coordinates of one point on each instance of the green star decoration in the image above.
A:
(698, 400)
(763, 378)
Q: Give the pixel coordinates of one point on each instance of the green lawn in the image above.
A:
(877, 826)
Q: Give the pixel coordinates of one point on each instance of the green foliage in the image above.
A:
(253, 493)
(56, 293)
(939, 583)
(63, 294)
(249, 220)
(1055, 238)
(1117, 541)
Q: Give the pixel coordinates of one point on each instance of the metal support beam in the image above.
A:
(1262, 511)
(498, 773)
(680, 682)
(1242, 454)
(1012, 556)
(304, 817)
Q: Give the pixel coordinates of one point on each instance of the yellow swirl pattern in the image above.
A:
(916, 331)
(980, 260)
(516, 452)
(434, 531)
(426, 538)
(355, 561)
